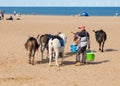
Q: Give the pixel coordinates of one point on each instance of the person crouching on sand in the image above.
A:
(82, 40)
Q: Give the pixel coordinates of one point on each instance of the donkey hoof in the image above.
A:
(29, 62)
(102, 51)
(33, 63)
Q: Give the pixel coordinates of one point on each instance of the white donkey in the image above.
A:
(56, 47)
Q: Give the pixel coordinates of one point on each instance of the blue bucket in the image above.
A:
(73, 48)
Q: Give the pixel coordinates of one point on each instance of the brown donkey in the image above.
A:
(31, 46)
(101, 37)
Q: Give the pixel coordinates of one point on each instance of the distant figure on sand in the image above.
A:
(81, 40)
(2, 14)
(10, 18)
(18, 17)
(14, 13)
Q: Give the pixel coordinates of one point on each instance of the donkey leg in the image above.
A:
(56, 57)
(100, 46)
(42, 55)
(42, 51)
(33, 60)
(47, 54)
(33, 56)
(103, 46)
(30, 57)
(50, 56)
(62, 54)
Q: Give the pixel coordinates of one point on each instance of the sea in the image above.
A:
(65, 11)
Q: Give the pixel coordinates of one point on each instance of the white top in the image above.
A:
(83, 42)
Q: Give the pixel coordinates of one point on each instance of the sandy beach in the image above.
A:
(14, 67)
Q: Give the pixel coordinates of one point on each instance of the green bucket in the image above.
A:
(89, 55)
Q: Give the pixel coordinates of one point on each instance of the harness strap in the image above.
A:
(60, 40)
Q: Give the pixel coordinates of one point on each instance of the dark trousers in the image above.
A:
(81, 50)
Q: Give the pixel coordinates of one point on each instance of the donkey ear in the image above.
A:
(29, 36)
(59, 33)
(38, 36)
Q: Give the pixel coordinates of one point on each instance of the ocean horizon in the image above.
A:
(65, 11)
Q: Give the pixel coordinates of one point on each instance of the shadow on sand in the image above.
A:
(68, 54)
(99, 62)
(93, 51)
(65, 63)
(42, 62)
(110, 50)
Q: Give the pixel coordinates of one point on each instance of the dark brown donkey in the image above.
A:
(101, 37)
(43, 42)
(31, 46)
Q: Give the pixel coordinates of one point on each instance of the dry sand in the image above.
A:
(14, 67)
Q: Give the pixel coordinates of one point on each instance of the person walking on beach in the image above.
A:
(2, 14)
(82, 40)
(14, 13)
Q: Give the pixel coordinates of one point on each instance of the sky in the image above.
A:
(63, 3)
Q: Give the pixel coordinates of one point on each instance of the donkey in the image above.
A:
(101, 37)
(31, 46)
(43, 42)
(56, 47)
